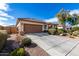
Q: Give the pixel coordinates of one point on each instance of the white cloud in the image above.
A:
(4, 6)
(4, 16)
(3, 19)
(53, 20)
(75, 11)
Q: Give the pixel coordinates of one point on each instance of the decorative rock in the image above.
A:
(71, 36)
(63, 34)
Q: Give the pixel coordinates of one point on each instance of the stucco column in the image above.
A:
(22, 28)
(42, 27)
(47, 27)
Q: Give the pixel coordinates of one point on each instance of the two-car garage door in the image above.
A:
(29, 28)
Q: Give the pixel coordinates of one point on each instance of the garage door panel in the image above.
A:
(32, 28)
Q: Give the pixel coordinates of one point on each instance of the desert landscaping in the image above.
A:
(37, 38)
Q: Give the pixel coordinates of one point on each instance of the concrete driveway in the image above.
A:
(56, 45)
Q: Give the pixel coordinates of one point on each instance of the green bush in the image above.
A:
(75, 33)
(75, 29)
(18, 52)
(70, 32)
(3, 38)
(60, 31)
(26, 42)
(52, 31)
(56, 31)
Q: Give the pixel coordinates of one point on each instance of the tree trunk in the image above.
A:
(64, 27)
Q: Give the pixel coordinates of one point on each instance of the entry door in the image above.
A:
(45, 27)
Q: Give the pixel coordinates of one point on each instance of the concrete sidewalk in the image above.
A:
(56, 45)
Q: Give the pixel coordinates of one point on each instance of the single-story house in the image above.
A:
(28, 25)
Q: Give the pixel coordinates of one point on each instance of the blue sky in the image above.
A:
(41, 11)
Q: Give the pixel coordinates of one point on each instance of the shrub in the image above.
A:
(18, 52)
(70, 32)
(3, 38)
(63, 34)
(26, 42)
(52, 31)
(60, 31)
(75, 28)
(75, 33)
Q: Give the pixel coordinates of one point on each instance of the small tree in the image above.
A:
(62, 16)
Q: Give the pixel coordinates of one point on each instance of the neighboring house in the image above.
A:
(59, 26)
(68, 27)
(27, 25)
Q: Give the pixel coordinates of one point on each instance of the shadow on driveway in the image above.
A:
(40, 34)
